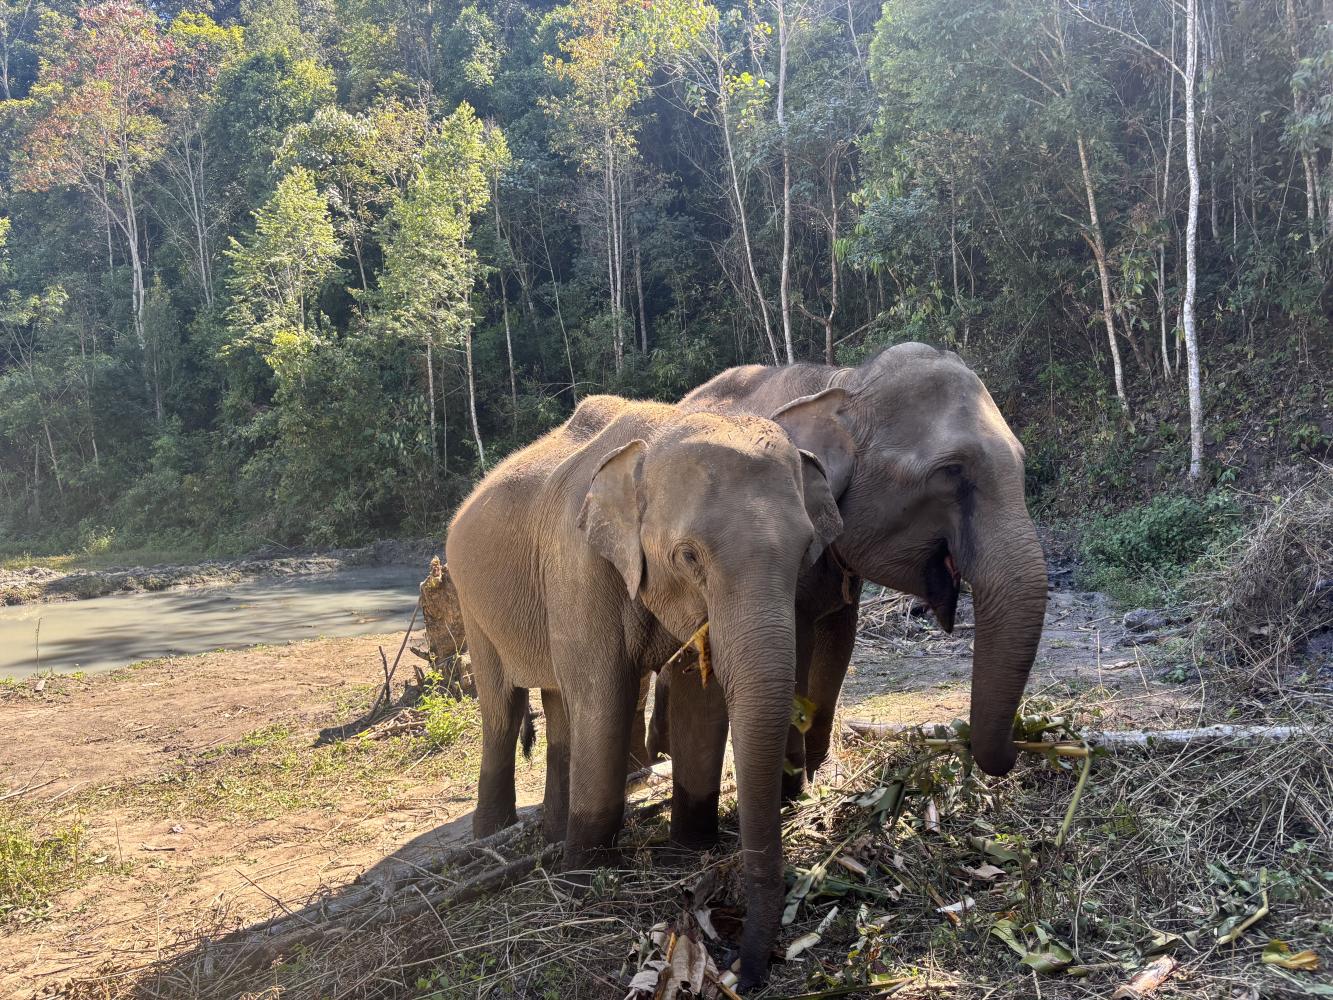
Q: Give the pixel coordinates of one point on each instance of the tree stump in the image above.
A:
(444, 630)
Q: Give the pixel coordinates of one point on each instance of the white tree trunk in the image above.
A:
(1192, 241)
(472, 398)
(1103, 274)
(724, 108)
(430, 396)
(784, 290)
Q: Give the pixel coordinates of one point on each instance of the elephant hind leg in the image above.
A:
(659, 729)
(555, 811)
(639, 753)
(503, 708)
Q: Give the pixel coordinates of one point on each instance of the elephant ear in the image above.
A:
(819, 424)
(819, 505)
(610, 516)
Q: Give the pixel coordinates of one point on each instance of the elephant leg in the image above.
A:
(503, 707)
(835, 636)
(794, 765)
(555, 810)
(599, 723)
(638, 743)
(698, 722)
(659, 730)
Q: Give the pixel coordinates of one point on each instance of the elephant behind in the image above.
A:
(584, 560)
(930, 488)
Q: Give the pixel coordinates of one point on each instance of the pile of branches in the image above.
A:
(1271, 592)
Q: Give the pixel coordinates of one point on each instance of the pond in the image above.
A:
(109, 632)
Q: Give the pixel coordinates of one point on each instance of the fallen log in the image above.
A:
(1110, 740)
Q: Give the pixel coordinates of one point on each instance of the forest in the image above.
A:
(296, 273)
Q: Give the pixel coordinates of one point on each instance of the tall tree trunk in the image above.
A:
(472, 398)
(555, 288)
(724, 107)
(138, 291)
(1298, 104)
(1165, 200)
(784, 283)
(444, 419)
(430, 399)
(502, 240)
(1192, 240)
(1103, 273)
(638, 284)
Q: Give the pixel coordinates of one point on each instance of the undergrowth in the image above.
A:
(35, 864)
(1140, 555)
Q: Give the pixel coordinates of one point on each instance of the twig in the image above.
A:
(25, 790)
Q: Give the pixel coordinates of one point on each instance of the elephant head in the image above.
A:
(936, 496)
(714, 520)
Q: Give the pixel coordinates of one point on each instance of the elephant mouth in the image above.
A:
(942, 580)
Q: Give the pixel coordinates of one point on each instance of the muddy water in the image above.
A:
(108, 632)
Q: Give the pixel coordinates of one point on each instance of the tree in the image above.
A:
(610, 50)
(430, 266)
(278, 273)
(362, 162)
(100, 127)
(202, 48)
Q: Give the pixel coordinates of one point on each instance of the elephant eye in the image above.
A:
(687, 556)
(953, 470)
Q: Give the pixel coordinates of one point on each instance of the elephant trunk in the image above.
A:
(754, 649)
(1009, 595)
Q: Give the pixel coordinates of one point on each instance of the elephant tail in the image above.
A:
(528, 735)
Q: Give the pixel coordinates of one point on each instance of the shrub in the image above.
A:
(1138, 553)
(447, 717)
(35, 867)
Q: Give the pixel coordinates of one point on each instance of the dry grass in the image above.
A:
(1271, 592)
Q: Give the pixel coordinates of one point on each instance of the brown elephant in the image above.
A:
(584, 560)
(933, 494)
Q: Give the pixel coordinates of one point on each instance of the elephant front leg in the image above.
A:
(835, 637)
(600, 721)
(555, 808)
(698, 723)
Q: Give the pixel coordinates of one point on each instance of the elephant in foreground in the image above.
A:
(586, 559)
(930, 488)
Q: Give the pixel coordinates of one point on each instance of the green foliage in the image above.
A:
(35, 865)
(1135, 552)
(448, 718)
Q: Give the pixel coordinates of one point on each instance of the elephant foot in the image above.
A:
(485, 823)
(553, 832)
(793, 785)
(693, 820)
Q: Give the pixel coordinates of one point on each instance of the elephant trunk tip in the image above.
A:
(996, 760)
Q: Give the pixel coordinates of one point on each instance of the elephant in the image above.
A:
(933, 494)
(583, 561)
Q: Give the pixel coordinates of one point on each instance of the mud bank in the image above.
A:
(40, 583)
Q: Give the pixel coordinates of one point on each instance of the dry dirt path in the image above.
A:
(213, 791)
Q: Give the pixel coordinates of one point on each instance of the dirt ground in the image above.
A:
(216, 790)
